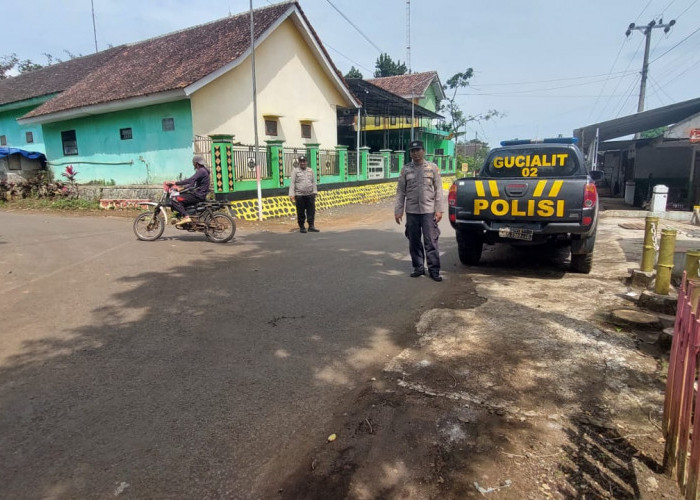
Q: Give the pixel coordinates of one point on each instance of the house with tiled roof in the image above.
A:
(21, 94)
(134, 116)
(423, 90)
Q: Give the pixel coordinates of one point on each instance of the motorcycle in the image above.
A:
(206, 216)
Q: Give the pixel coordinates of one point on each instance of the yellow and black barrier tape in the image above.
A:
(282, 206)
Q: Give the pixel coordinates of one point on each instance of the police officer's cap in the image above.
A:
(302, 158)
(416, 145)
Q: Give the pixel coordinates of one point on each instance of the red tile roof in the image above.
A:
(51, 79)
(166, 63)
(406, 86)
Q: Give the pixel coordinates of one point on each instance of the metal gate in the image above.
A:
(202, 147)
(375, 166)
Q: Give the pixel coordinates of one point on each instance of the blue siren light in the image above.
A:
(550, 140)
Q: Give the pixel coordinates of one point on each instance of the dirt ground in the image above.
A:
(517, 386)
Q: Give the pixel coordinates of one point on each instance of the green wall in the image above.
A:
(150, 157)
(429, 101)
(16, 134)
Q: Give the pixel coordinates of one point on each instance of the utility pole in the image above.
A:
(255, 111)
(645, 66)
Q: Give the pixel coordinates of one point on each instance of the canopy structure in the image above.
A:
(31, 155)
(379, 102)
(638, 122)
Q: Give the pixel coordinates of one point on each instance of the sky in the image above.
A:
(547, 66)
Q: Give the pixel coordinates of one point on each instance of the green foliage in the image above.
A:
(354, 73)
(458, 120)
(39, 185)
(12, 62)
(387, 67)
(655, 132)
(102, 182)
(74, 204)
(474, 154)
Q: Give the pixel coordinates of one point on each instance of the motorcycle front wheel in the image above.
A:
(220, 228)
(149, 226)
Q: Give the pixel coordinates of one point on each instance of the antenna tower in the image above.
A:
(408, 35)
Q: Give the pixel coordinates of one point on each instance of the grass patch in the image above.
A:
(57, 204)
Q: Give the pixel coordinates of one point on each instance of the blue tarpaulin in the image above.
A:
(31, 155)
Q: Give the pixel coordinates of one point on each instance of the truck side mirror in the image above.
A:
(596, 175)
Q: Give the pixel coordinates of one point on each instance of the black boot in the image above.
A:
(312, 229)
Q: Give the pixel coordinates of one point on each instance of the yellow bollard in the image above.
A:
(651, 228)
(665, 264)
(692, 261)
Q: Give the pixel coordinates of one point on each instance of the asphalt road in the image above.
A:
(179, 368)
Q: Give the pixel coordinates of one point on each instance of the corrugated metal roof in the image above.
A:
(379, 102)
(638, 122)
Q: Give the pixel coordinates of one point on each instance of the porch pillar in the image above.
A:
(222, 162)
(400, 159)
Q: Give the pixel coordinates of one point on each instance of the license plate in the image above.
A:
(515, 233)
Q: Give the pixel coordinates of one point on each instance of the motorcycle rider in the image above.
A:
(199, 182)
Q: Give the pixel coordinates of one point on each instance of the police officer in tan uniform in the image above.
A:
(419, 192)
(302, 192)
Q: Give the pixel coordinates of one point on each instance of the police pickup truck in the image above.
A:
(528, 192)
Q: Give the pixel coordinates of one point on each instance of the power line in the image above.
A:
(553, 80)
(346, 57)
(520, 96)
(590, 112)
(354, 26)
(476, 87)
(669, 50)
(602, 111)
(659, 89)
(629, 94)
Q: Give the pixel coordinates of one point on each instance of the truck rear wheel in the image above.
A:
(469, 246)
(582, 263)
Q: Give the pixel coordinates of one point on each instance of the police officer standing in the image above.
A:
(419, 192)
(302, 192)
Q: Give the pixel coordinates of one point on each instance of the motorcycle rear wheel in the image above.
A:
(220, 228)
(149, 226)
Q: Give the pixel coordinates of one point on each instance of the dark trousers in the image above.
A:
(306, 209)
(185, 199)
(423, 225)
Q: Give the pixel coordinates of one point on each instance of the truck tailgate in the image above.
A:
(521, 199)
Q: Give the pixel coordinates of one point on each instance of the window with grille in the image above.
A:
(271, 127)
(3, 140)
(69, 142)
(29, 136)
(125, 134)
(306, 130)
(168, 124)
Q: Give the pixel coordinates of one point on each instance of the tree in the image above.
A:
(12, 62)
(6, 65)
(473, 153)
(458, 119)
(387, 67)
(354, 73)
